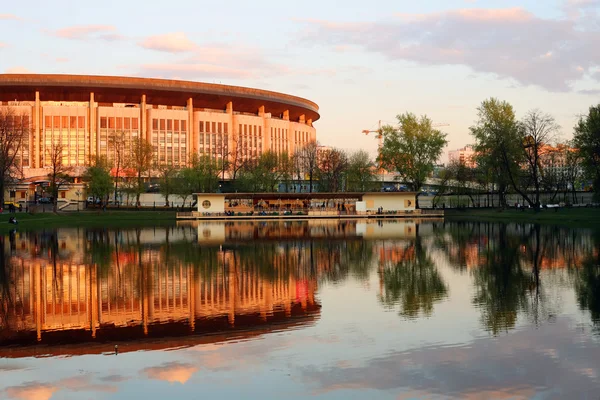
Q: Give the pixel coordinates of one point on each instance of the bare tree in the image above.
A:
(537, 131)
(13, 131)
(117, 143)
(333, 167)
(236, 157)
(310, 161)
(59, 172)
(141, 161)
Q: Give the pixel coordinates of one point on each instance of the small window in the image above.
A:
(103, 123)
(162, 124)
(201, 127)
(63, 195)
(81, 122)
(134, 123)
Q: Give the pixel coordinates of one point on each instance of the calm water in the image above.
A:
(288, 310)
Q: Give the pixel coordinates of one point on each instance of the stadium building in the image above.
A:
(178, 118)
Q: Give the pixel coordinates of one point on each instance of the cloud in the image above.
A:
(550, 363)
(2, 45)
(87, 32)
(171, 372)
(510, 43)
(9, 17)
(31, 391)
(170, 42)
(591, 92)
(17, 70)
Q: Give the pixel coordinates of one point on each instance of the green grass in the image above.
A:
(109, 219)
(574, 217)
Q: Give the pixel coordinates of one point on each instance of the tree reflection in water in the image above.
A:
(506, 262)
(412, 282)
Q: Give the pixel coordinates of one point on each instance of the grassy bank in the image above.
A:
(109, 219)
(575, 217)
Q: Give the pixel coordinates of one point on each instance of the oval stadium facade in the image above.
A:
(178, 118)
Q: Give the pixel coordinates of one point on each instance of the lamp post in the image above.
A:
(78, 193)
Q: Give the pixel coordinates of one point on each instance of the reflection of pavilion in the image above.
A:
(71, 304)
(218, 232)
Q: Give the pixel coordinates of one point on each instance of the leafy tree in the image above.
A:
(141, 161)
(13, 130)
(361, 173)
(202, 176)
(414, 283)
(333, 165)
(587, 139)
(59, 172)
(498, 144)
(98, 180)
(412, 149)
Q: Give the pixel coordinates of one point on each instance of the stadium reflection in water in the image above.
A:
(385, 308)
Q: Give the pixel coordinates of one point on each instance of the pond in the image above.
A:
(402, 309)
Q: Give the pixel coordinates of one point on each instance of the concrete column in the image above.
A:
(37, 129)
(309, 122)
(261, 111)
(94, 138)
(232, 131)
(192, 132)
(143, 123)
(302, 119)
(286, 115)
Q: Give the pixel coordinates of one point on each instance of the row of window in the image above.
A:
(177, 125)
(213, 127)
(64, 122)
(119, 123)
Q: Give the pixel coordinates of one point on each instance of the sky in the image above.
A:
(361, 62)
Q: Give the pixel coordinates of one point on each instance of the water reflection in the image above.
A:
(506, 262)
(469, 301)
(410, 278)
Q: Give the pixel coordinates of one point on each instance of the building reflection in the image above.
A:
(51, 295)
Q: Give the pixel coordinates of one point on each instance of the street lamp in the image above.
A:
(78, 193)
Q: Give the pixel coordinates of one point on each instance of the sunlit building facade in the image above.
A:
(85, 114)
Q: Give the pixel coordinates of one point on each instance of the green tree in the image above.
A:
(98, 182)
(414, 283)
(587, 139)
(361, 172)
(141, 161)
(202, 176)
(498, 144)
(412, 149)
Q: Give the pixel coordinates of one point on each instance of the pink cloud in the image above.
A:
(509, 43)
(61, 59)
(170, 42)
(9, 17)
(2, 45)
(31, 391)
(17, 70)
(85, 32)
(171, 372)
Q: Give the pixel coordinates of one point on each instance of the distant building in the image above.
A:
(463, 156)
